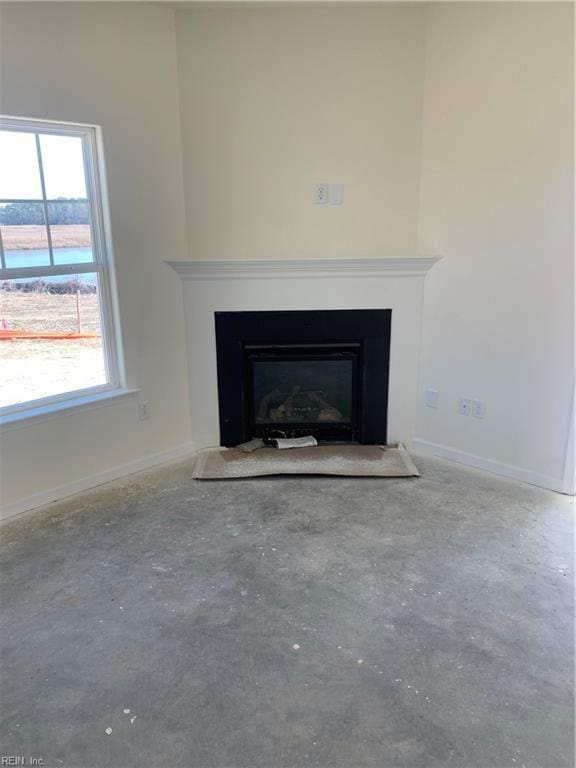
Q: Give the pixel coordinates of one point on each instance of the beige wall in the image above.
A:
(276, 100)
(498, 204)
(113, 65)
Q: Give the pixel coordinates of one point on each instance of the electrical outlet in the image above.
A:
(431, 398)
(321, 194)
(464, 406)
(143, 411)
(478, 409)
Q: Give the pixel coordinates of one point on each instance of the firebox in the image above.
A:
(289, 374)
(302, 390)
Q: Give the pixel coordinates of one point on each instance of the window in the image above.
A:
(58, 325)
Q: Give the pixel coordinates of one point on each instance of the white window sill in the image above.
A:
(36, 414)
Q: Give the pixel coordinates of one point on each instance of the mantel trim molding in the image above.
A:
(409, 266)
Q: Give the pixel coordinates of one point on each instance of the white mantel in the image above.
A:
(410, 266)
(239, 286)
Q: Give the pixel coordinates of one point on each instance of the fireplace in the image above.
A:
(288, 374)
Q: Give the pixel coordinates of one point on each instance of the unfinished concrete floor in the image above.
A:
(280, 623)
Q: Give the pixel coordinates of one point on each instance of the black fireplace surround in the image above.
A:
(310, 372)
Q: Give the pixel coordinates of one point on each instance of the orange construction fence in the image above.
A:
(10, 335)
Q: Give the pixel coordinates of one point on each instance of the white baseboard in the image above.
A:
(188, 449)
(85, 483)
(488, 465)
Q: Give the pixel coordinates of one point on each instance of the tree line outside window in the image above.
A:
(61, 211)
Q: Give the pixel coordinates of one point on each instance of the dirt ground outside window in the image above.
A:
(35, 368)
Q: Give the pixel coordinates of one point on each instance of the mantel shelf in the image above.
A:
(408, 266)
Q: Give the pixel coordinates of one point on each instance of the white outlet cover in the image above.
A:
(464, 406)
(431, 398)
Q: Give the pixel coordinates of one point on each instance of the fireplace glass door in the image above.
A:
(295, 390)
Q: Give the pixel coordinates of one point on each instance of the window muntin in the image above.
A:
(55, 266)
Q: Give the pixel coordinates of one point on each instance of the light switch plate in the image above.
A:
(478, 409)
(335, 194)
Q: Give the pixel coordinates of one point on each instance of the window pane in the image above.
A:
(70, 232)
(63, 165)
(50, 337)
(24, 235)
(19, 173)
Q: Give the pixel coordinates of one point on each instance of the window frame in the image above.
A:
(102, 264)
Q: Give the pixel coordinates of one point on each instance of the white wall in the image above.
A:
(113, 65)
(497, 202)
(276, 100)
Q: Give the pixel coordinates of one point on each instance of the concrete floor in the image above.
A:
(279, 623)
